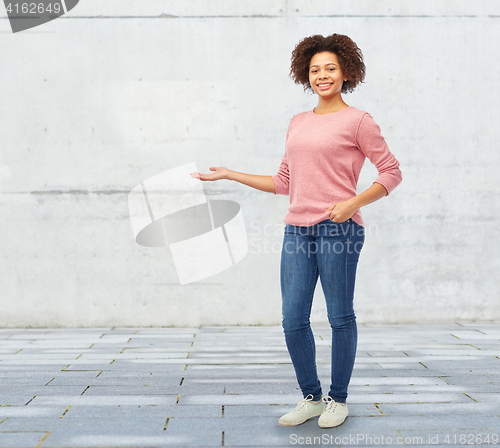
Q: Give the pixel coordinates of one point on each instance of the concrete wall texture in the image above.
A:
(115, 92)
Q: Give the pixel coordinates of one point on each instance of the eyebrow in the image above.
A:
(329, 63)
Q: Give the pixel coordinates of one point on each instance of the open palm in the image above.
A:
(219, 172)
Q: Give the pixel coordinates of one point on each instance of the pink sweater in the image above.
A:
(324, 155)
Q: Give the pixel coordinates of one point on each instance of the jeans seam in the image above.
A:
(311, 294)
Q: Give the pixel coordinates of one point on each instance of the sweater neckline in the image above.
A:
(330, 114)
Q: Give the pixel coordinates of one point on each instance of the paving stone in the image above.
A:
(132, 390)
(137, 380)
(142, 411)
(285, 371)
(172, 347)
(394, 380)
(486, 397)
(195, 435)
(15, 400)
(31, 411)
(41, 390)
(25, 381)
(122, 366)
(106, 400)
(33, 364)
(249, 399)
(284, 387)
(470, 408)
(16, 439)
(390, 373)
(34, 374)
(160, 372)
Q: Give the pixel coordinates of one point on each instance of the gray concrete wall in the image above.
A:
(116, 92)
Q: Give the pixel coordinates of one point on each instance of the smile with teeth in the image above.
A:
(324, 85)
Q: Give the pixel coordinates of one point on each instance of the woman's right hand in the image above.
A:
(219, 172)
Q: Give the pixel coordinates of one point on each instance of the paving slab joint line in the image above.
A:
(43, 438)
(47, 433)
(64, 413)
(166, 423)
(470, 397)
(376, 405)
(401, 437)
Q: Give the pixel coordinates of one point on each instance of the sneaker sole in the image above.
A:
(300, 423)
(332, 426)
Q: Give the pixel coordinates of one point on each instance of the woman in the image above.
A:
(324, 233)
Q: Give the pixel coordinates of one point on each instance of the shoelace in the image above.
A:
(304, 402)
(330, 404)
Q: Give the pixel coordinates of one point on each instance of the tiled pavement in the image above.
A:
(227, 386)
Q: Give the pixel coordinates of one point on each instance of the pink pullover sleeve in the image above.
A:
(282, 179)
(373, 145)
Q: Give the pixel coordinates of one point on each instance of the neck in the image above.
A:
(329, 105)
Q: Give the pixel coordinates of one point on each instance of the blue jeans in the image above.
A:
(331, 251)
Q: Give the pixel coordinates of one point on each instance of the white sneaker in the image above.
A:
(334, 414)
(305, 410)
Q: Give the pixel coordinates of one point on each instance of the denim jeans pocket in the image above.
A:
(334, 229)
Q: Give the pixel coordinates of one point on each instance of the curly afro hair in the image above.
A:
(349, 55)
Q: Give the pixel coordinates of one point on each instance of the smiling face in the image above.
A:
(325, 75)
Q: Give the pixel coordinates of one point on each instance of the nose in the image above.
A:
(322, 75)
